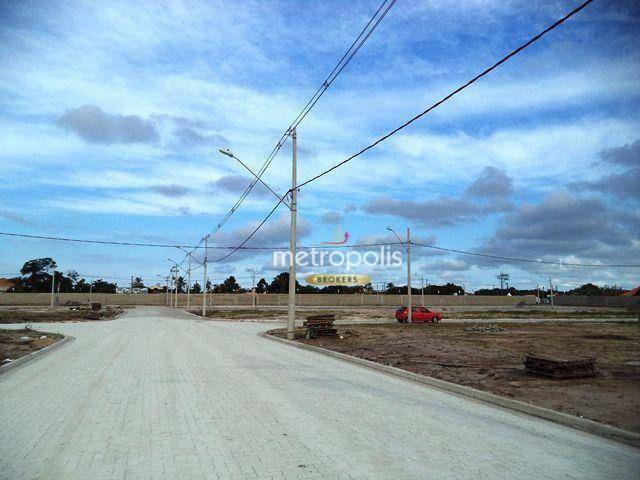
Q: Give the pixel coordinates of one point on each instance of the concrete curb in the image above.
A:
(35, 355)
(578, 423)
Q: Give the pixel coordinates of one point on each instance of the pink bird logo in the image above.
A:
(345, 240)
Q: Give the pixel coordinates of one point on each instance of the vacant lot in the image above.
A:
(493, 361)
(386, 314)
(38, 315)
(18, 343)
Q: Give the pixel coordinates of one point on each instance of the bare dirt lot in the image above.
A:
(18, 343)
(386, 314)
(39, 314)
(493, 361)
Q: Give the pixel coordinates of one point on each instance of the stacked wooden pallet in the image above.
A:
(320, 326)
(560, 368)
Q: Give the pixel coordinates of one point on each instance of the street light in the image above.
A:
(293, 208)
(407, 247)
(188, 276)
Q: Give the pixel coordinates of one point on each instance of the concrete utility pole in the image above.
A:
(253, 287)
(189, 282)
(422, 288)
(175, 283)
(551, 291)
(293, 208)
(204, 285)
(409, 315)
(291, 318)
(53, 287)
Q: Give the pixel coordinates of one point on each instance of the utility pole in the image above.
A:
(53, 286)
(291, 318)
(422, 288)
(189, 282)
(409, 315)
(204, 290)
(551, 291)
(253, 287)
(166, 292)
(175, 283)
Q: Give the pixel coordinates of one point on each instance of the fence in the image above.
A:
(318, 300)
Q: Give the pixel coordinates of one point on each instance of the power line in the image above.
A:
(423, 113)
(353, 49)
(167, 245)
(527, 260)
(453, 93)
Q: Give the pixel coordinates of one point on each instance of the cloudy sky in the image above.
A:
(111, 114)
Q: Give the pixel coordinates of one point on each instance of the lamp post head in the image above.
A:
(226, 152)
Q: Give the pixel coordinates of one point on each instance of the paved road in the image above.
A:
(159, 394)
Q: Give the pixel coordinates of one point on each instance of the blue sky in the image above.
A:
(111, 114)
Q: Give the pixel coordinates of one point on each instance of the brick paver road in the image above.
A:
(159, 394)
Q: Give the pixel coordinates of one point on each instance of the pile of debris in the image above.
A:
(321, 326)
(484, 329)
(560, 368)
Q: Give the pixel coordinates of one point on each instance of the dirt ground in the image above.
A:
(12, 347)
(386, 314)
(39, 315)
(493, 361)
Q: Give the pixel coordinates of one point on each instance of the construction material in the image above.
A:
(321, 326)
(560, 368)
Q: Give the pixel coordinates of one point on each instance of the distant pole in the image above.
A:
(166, 293)
(189, 282)
(53, 286)
(551, 291)
(253, 287)
(409, 315)
(175, 282)
(422, 288)
(204, 290)
(291, 318)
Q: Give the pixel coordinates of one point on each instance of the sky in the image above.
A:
(112, 114)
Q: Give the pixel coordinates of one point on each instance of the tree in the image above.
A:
(81, 286)
(181, 284)
(38, 265)
(196, 289)
(230, 285)
(280, 284)
(208, 286)
(137, 283)
(100, 286)
(38, 280)
(262, 286)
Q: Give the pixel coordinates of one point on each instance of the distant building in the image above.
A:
(631, 293)
(8, 283)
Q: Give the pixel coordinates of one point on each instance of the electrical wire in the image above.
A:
(453, 93)
(423, 113)
(355, 46)
(527, 260)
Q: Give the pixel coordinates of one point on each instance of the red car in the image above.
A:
(418, 315)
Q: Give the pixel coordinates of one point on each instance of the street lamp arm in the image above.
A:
(279, 197)
(399, 239)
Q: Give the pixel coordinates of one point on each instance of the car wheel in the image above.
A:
(436, 319)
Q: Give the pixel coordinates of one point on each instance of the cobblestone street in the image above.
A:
(160, 394)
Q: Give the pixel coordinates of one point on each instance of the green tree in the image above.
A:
(280, 284)
(181, 284)
(196, 289)
(101, 286)
(38, 279)
(262, 286)
(137, 283)
(230, 285)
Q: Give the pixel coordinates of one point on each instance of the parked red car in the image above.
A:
(418, 315)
